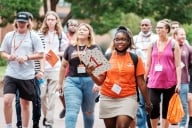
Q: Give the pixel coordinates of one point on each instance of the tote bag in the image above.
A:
(175, 111)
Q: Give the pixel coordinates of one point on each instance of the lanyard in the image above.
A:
(159, 56)
(78, 52)
(120, 65)
(20, 42)
(160, 52)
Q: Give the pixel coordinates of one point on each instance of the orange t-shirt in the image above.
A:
(122, 73)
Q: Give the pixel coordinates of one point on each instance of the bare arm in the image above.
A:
(36, 56)
(62, 70)
(177, 56)
(148, 63)
(97, 79)
(7, 56)
(143, 88)
(144, 91)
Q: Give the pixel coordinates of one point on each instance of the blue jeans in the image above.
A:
(141, 114)
(184, 97)
(36, 104)
(78, 93)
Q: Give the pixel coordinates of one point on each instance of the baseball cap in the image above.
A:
(23, 17)
(29, 14)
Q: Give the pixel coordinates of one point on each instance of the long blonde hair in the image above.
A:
(58, 27)
(91, 37)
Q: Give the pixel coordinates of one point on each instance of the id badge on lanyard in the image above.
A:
(81, 69)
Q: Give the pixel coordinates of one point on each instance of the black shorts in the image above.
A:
(26, 87)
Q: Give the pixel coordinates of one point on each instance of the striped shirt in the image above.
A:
(37, 62)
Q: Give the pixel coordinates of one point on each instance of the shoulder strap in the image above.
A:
(60, 37)
(134, 58)
(108, 55)
(32, 40)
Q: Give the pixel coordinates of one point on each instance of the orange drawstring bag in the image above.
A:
(175, 111)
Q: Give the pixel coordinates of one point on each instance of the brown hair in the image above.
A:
(58, 27)
(166, 22)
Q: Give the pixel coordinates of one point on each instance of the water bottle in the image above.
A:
(41, 82)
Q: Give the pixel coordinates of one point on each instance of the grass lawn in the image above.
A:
(2, 71)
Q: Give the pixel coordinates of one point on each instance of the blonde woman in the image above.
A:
(55, 40)
(78, 85)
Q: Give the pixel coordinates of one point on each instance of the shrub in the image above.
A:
(3, 62)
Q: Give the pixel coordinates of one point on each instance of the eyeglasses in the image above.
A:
(120, 39)
(51, 19)
(144, 25)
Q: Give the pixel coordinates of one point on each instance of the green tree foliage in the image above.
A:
(188, 29)
(107, 14)
(9, 8)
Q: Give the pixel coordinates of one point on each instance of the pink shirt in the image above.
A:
(166, 78)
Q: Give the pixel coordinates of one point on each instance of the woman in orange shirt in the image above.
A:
(118, 100)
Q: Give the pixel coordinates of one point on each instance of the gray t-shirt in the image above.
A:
(25, 44)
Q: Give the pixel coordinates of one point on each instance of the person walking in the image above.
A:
(190, 99)
(72, 25)
(78, 85)
(142, 42)
(164, 72)
(20, 48)
(52, 32)
(39, 70)
(118, 95)
(186, 56)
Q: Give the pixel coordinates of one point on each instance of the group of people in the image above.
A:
(146, 70)
(168, 63)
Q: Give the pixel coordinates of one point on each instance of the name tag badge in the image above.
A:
(116, 88)
(158, 67)
(81, 69)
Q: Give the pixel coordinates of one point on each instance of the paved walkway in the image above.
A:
(59, 123)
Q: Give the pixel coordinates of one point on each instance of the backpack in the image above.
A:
(134, 58)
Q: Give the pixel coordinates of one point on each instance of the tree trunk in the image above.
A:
(53, 4)
(45, 6)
